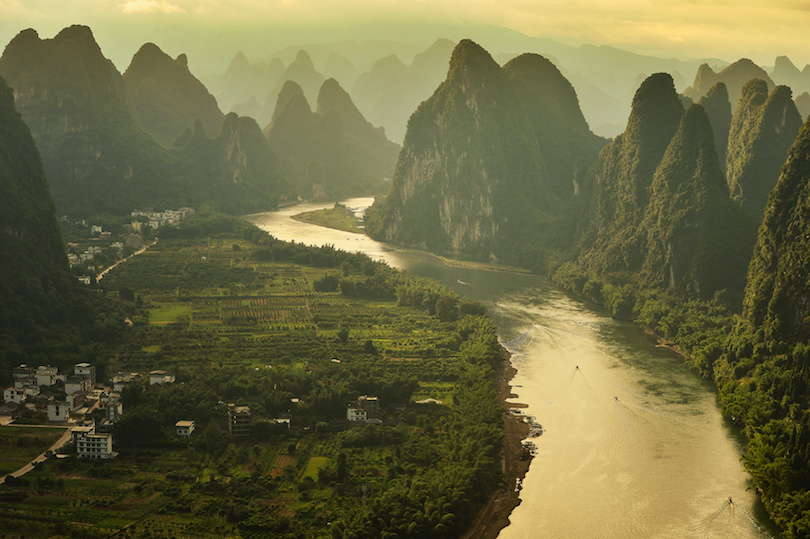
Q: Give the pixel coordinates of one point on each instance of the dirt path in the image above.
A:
(41, 458)
(136, 253)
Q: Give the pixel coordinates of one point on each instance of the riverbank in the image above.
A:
(495, 515)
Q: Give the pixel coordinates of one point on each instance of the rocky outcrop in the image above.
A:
(165, 98)
(698, 241)
(469, 178)
(718, 109)
(566, 142)
(762, 130)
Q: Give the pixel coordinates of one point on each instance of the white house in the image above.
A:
(14, 394)
(185, 428)
(160, 377)
(58, 411)
(46, 375)
(87, 370)
(77, 384)
(120, 380)
(355, 413)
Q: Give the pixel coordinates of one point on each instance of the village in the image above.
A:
(90, 409)
(91, 248)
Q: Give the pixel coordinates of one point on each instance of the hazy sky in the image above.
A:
(760, 30)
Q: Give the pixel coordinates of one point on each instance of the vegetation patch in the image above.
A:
(340, 217)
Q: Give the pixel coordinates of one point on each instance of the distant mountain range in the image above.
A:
(155, 136)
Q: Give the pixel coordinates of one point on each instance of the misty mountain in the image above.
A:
(236, 171)
(803, 105)
(95, 155)
(469, 178)
(390, 92)
(762, 131)
(698, 240)
(784, 72)
(333, 151)
(626, 170)
(718, 109)
(734, 76)
(244, 86)
(566, 143)
(164, 97)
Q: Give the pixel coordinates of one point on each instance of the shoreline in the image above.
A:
(494, 516)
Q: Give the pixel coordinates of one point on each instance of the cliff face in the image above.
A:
(96, 156)
(469, 177)
(762, 131)
(236, 171)
(777, 298)
(698, 241)
(626, 169)
(35, 282)
(374, 154)
(566, 142)
(333, 152)
(718, 109)
(73, 100)
(165, 98)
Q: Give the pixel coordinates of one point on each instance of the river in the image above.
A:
(634, 446)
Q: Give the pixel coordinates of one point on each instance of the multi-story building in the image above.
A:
(355, 413)
(14, 394)
(95, 446)
(238, 421)
(86, 370)
(46, 375)
(77, 384)
(58, 411)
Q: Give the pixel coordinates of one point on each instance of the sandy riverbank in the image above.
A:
(495, 515)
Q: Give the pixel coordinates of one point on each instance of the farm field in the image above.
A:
(297, 334)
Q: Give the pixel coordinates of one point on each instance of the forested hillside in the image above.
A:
(45, 313)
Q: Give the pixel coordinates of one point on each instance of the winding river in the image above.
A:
(635, 445)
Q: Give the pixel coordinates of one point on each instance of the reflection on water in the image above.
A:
(634, 444)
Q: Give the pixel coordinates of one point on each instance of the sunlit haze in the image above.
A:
(760, 30)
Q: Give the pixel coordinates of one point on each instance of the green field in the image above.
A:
(289, 331)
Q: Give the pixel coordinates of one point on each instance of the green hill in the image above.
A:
(45, 313)
(566, 142)
(718, 109)
(469, 178)
(698, 240)
(626, 169)
(333, 152)
(164, 97)
(762, 130)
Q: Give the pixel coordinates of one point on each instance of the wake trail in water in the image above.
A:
(732, 508)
